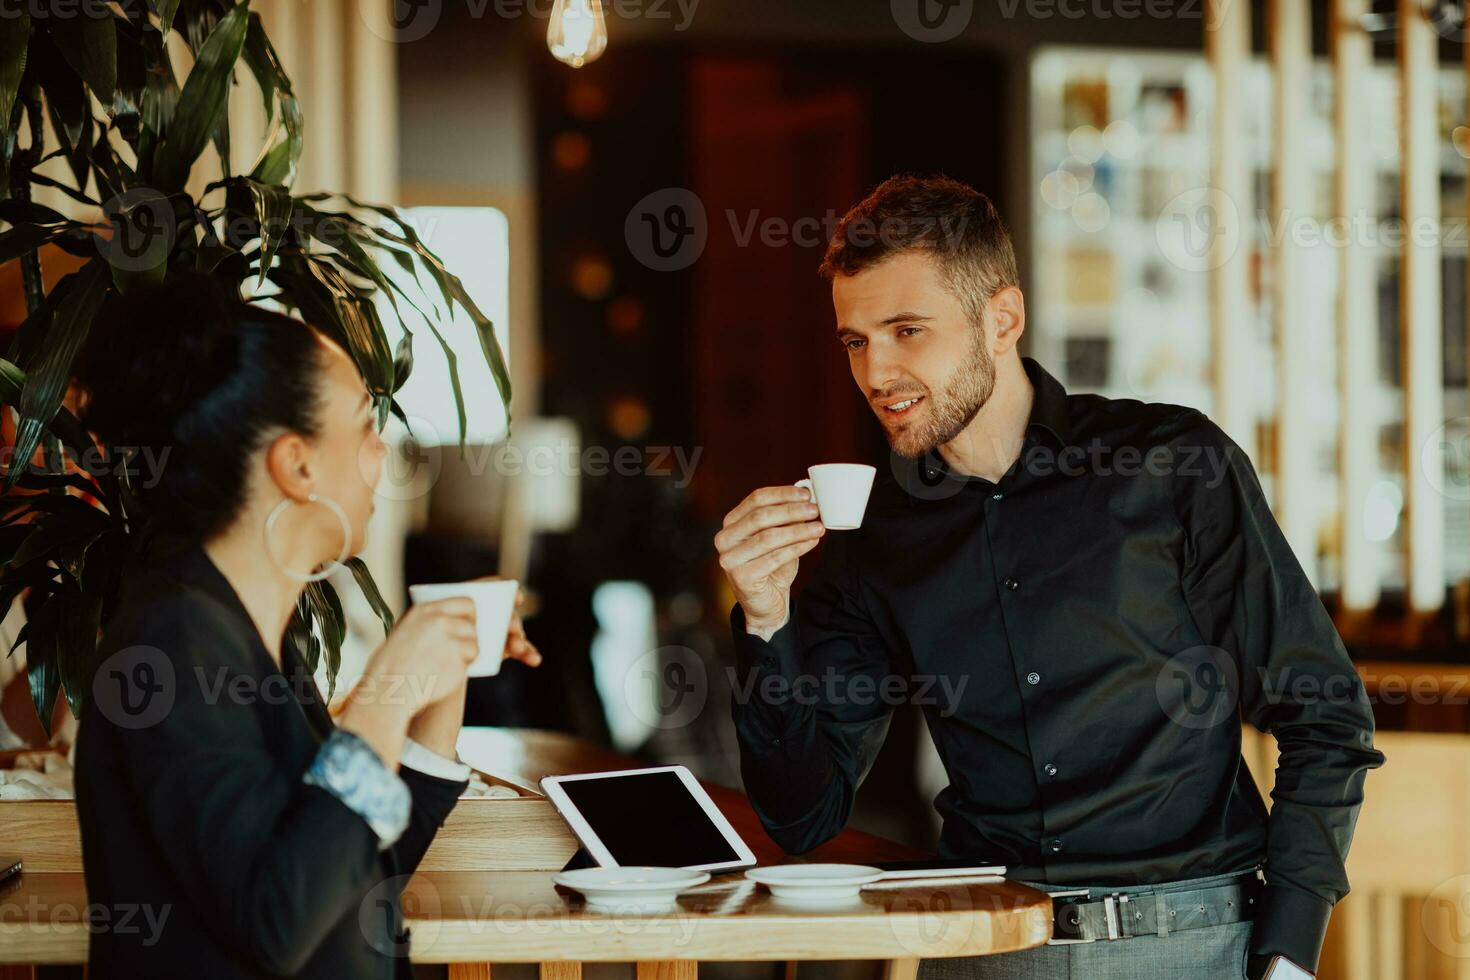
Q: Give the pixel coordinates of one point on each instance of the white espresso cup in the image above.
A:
(495, 604)
(841, 492)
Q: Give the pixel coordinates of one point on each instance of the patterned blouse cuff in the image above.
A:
(349, 769)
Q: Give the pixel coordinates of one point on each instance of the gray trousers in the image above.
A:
(1211, 953)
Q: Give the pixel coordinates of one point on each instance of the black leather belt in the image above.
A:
(1084, 917)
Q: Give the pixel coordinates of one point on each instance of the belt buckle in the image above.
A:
(1114, 906)
(1057, 922)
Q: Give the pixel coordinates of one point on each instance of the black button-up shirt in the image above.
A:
(1084, 637)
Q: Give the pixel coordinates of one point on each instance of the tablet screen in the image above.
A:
(649, 818)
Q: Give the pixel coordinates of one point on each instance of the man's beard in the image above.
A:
(950, 409)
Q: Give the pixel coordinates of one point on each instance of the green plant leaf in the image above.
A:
(132, 78)
(327, 596)
(113, 176)
(65, 94)
(160, 101)
(56, 481)
(66, 103)
(403, 361)
(397, 411)
(203, 101)
(46, 384)
(20, 239)
(348, 236)
(370, 592)
(272, 210)
(282, 149)
(142, 217)
(331, 622)
(301, 631)
(68, 429)
(355, 242)
(221, 141)
(18, 212)
(166, 10)
(65, 637)
(43, 657)
(63, 526)
(89, 44)
(345, 312)
(77, 652)
(15, 36)
(30, 336)
(260, 57)
(277, 162)
(449, 285)
(407, 243)
(200, 17)
(71, 192)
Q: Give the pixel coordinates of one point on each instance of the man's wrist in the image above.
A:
(765, 629)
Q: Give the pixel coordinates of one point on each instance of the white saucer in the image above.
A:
(815, 883)
(636, 889)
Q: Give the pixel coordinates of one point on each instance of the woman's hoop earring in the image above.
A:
(312, 498)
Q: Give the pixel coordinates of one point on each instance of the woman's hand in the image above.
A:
(517, 646)
(437, 726)
(421, 663)
(428, 652)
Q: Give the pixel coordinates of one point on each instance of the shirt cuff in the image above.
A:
(421, 758)
(765, 702)
(1291, 923)
(349, 769)
(776, 655)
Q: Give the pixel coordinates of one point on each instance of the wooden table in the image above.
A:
(470, 919)
(519, 917)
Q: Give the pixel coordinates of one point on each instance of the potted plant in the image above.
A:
(129, 130)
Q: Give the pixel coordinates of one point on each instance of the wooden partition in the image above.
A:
(1288, 456)
(1408, 915)
(1228, 43)
(1420, 297)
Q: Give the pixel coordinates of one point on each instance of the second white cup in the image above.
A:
(841, 492)
(495, 604)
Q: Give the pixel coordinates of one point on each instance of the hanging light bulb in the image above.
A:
(578, 31)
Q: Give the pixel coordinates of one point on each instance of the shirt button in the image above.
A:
(1033, 678)
(1012, 584)
(1050, 769)
(1054, 845)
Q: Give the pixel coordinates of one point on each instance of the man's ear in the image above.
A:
(1008, 313)
(289, 465)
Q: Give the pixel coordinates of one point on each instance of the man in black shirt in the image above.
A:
(1086, 595)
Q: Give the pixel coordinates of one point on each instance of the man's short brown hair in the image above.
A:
(956, 223)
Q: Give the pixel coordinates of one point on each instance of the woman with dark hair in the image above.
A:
(244, 833)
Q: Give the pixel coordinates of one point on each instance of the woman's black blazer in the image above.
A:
(205, 853)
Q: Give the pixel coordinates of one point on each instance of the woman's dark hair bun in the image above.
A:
(155, 353)
(188, 372)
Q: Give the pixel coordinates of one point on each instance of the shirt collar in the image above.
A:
(1049, 413)
(1049, 409)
